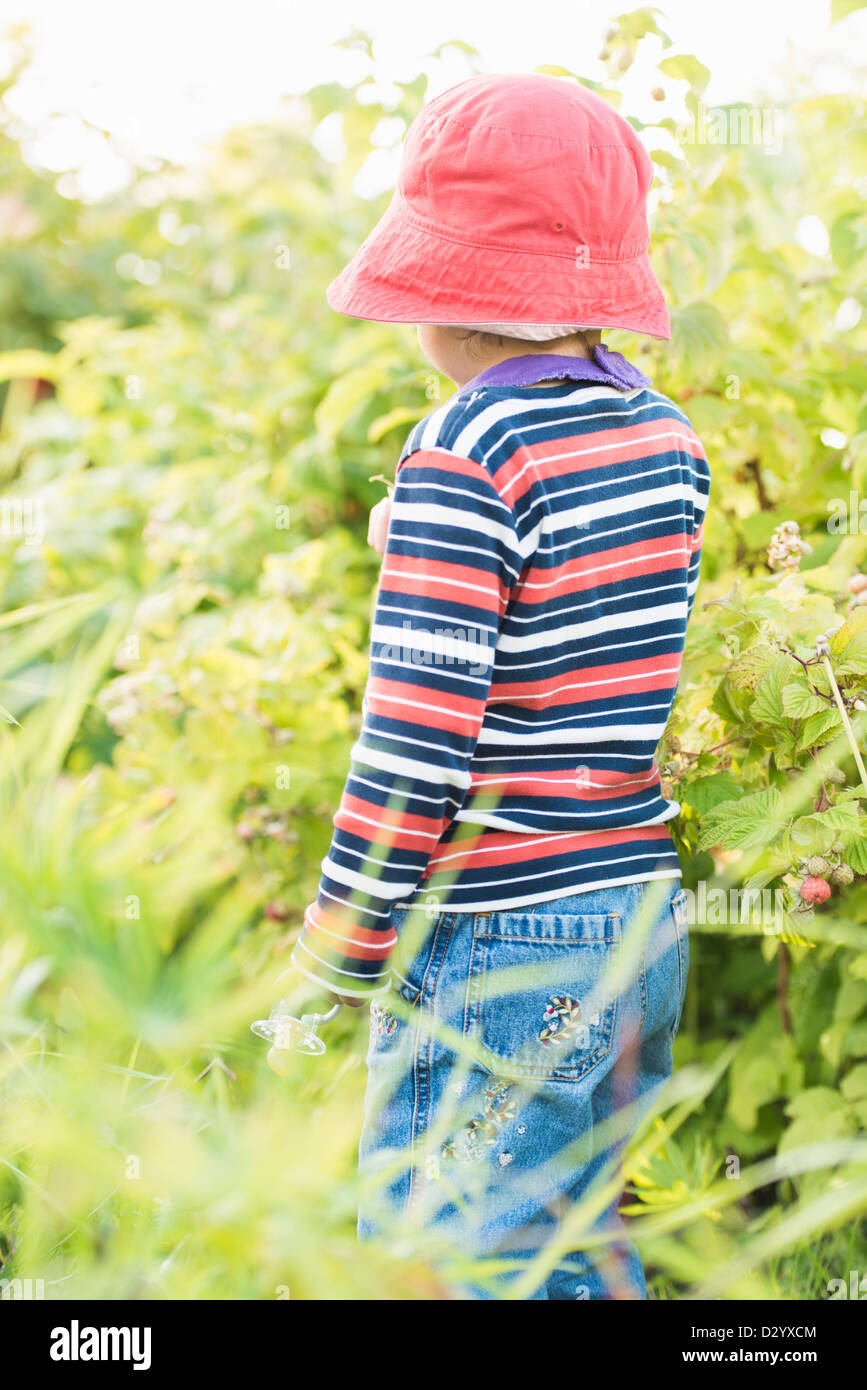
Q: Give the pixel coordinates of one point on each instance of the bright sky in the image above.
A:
(167, 76)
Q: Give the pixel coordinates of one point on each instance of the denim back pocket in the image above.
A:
(541, 1001)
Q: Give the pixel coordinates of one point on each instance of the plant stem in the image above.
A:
(783, 988)
(856, 752)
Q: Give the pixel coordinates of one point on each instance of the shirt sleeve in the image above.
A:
(701, 486)
(451, 562)
(694, 570)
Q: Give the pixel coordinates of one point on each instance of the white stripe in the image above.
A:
(504, 820)
(597, 535)
(341, 902)
(435, 514)
(436, 801)
(485, 904)
(454, 490)
(567, 781)
(531, 759)
(576, 632)
(628, 616)
(428, 616)
(509, 408)
(372, 886)
(328, 983)
(582, 419)
(429, 429)
(623, 505)
(532, 464)
(434, 773)
(439, 644)
(520, 724)
(605, 733)
(407, 705)
(452, 548)
(377, 824)
(599, 571)
(483, 681)
(389, 939)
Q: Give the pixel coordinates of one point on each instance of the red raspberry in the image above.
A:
(815, 889)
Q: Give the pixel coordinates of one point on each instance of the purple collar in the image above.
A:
(609, 368)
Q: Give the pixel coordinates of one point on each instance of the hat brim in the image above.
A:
(405, 272)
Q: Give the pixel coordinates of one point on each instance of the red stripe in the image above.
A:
(556, 787)
(441, 461)
(360, 942)
(503, 847)
(391, 823)
(394, 700)
(440, 579)
(575, 687)
(580, 452)
(615, 565)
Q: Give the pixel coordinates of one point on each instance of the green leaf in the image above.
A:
(841, 8)
(344, 397)
(767, 706)
(799, 699)
(854, 1085)
(753, 820)
(818, 729)
(816, 1103)
(707, 792)
(747, 670)
(828, 824)
(393, 419)
(849, 644)
(699, 332)
(686, 68)
(856, 852)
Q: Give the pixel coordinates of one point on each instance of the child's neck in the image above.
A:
(569, 347)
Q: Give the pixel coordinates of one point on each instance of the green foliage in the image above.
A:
(186, 444)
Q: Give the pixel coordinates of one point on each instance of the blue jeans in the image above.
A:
(507, 1069)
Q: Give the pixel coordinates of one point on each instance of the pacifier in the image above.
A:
(288, 1034)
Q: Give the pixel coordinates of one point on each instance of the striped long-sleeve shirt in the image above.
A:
(541, 564)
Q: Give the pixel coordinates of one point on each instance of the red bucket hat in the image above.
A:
(521, 199)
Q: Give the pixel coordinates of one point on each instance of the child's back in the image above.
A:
(606, 492)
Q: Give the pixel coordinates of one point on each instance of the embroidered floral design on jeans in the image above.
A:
(561, 1019)
(483, 1130)
(381, 1021)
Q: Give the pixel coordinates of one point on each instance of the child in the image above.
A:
(501, 878)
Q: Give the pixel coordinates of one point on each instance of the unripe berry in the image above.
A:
(842, 875)
(817, 864)
(623, 57)
(856, 583)
(836, 775)
(815, 890)
(658, 94)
